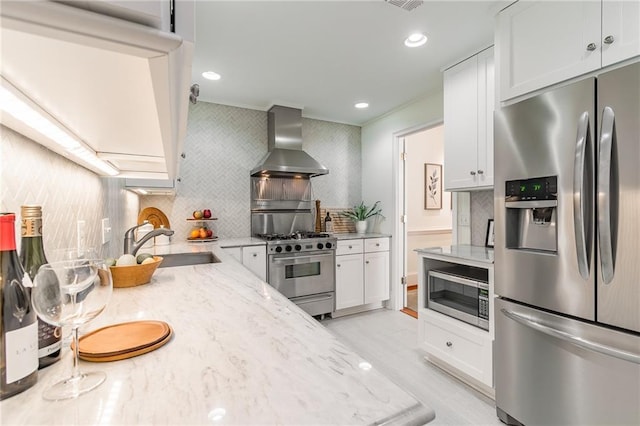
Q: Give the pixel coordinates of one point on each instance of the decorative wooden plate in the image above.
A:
(154, 216)
(125, 340)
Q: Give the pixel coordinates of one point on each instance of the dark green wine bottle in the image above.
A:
(32, 257)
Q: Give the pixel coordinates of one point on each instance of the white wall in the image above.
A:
(377, 151)
(425, 228)
(425, 147)
(378, 168)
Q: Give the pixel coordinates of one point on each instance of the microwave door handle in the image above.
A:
(605, 218)
(532, 323)
(581, 204)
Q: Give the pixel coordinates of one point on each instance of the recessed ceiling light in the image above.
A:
(415, 40)
(210, 75)
(361, 105)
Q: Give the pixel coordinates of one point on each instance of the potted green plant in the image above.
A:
(359, 214)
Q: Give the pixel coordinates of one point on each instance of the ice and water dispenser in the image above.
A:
(532, 214)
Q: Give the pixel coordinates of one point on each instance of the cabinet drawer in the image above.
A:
(376, 244)
(468, 351)
(349, 247)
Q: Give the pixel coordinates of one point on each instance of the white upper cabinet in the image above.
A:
(620, 30)
(118, 87)
(469, 99)
(542, 42)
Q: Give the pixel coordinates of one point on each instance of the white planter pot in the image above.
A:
(361, 226)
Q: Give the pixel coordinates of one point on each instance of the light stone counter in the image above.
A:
(353, 236)
(242, 354)
(459, 252)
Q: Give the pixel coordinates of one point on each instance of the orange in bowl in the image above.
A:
(131, 276)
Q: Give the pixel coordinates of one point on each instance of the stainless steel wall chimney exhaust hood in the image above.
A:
(285, 156)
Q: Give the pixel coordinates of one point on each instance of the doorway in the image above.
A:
(425, 209)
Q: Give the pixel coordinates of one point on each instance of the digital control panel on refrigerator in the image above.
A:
(531, 214)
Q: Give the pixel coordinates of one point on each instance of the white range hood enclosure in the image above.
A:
(121, 87)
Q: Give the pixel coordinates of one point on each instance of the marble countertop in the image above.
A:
(241, 354)
(464, 252)
(352, 236)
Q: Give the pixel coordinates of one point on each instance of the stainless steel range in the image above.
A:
(301, 266)
(300, 262)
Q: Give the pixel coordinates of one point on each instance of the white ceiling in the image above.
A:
(324, 56)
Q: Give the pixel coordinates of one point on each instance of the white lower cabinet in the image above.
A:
(349, 281)
(362, 272)
(376, 277)
(254, 258)
(464, 347)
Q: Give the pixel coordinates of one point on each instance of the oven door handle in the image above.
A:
(310, 257)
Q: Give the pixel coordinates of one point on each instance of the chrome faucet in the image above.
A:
(131, 246)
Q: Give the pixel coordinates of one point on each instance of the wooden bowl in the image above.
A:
(131, 276)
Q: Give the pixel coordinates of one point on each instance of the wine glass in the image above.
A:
(72, 293)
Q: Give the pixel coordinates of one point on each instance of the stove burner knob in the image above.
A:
(328, 245)
(278, 249)
(298, 247)
(320, 246)
(288, 248)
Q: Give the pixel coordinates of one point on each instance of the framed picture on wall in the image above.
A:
(432, 186)
(491, 235)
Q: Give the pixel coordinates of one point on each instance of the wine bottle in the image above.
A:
(32, 257)
(328, 224)
(18, 322)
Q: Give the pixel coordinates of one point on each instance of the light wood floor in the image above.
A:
(388, 340)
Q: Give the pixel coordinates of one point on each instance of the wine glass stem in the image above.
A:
(76, 353)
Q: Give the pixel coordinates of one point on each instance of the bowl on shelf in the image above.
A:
(131, 276)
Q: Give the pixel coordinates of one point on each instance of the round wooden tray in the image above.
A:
(125, 340)
(155, 216)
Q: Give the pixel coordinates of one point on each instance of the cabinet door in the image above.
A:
(349, 281)
(461, 124)
(543, 43)
(235, 252)
(254, 258)
(620, 30)
(486, 102)
(376, 277)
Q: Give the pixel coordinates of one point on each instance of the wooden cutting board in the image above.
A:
(125, 340)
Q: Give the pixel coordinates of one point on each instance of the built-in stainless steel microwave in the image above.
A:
(459, 297)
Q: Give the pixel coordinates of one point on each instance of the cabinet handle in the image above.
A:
(350, 247)
(591, 47)
(377, 244)
(472, 173)
(338, 265)
(480, 172)
(367, 262)
(255, 254)
(609, 39)
(449, 344)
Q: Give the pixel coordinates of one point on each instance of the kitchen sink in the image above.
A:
(184, 259)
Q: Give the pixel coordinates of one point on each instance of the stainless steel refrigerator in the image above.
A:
(567, 254)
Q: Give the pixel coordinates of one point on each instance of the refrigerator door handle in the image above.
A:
(605, 219)
(530, 322)
(581, 202)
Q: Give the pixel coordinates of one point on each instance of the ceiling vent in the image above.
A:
(407, 5)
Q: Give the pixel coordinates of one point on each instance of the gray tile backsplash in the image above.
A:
(32, 174)
(481, 212)
(224, 143)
